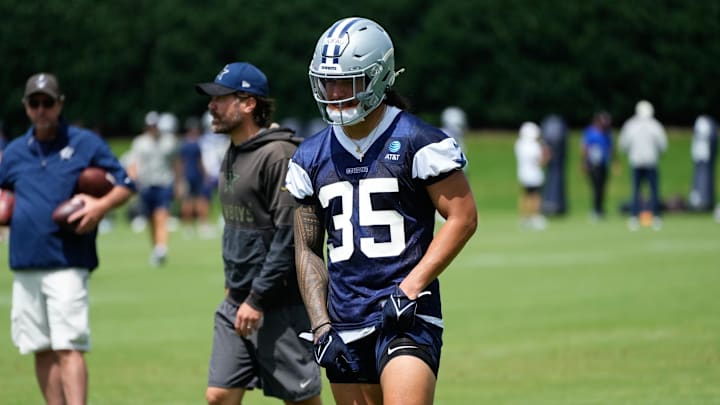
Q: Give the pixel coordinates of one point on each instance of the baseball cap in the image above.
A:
(151, 118)
(238, 76)
(45, 83)
(529, 130)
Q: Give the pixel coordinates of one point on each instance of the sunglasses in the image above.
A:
(47, 103)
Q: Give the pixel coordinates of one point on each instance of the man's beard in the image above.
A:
(226, 126)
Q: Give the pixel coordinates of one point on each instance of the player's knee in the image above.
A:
(216, 396)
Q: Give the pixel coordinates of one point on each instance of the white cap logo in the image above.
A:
(222, 73)
(41, 81)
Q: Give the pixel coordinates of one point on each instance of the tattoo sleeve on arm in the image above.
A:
(311, 270)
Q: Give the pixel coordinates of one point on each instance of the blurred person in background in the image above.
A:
(643, 139)
(154, 166)
(52, 267)
(454, 123)
(596, 154)
(256, 340)
(194, 203)
(531, 156)
(213, 148)
(703, 151)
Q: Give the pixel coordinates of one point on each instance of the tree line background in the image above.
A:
(503, 61)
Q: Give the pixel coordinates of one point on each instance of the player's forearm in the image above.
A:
(313, 282)
(447, 243)
(311, 270)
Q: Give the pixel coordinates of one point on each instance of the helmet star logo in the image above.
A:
(353, 48)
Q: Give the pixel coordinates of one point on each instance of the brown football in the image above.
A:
(95, 181)
(63, 211)
(7, 203)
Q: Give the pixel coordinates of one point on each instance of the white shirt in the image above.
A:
(528, 153)
(643, 139)
(154, 159)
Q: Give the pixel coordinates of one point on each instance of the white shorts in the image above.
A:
(50, 310)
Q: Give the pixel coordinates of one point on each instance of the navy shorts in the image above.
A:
(156, 197)
(196, 186)
(374, 351)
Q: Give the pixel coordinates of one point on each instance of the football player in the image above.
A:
(371, 182)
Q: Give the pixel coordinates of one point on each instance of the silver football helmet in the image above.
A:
(355, 49)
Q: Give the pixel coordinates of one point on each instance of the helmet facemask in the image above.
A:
(356, 50)
(365, 97)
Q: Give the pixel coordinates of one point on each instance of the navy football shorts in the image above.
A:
(374, 351)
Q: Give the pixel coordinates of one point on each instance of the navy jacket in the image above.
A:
(42, 175)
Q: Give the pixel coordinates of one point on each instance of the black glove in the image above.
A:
(399, 311)
(332, 352)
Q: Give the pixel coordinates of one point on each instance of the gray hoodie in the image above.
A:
(258, 245)
(643, 138)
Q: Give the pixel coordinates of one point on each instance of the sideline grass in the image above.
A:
(581, 313)
(584, 314)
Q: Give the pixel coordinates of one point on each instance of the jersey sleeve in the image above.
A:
(298, 182)
(437, 157)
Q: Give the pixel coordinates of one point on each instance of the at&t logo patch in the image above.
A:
(394, 147)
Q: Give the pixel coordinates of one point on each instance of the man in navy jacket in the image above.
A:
(51, 266)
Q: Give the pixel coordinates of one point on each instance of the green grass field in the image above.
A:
(581, 313)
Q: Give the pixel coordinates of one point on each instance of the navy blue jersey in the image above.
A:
(42, 175)
(598, 146)
(377, 213)
(191, 157)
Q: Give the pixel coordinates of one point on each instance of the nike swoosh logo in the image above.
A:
(392, 350)
(402, 310)
(304, 384)
(320, 353)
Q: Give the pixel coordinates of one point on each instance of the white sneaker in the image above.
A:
(657, 223)
(158, 256)
(538, 222)
(138, 224)
(173, 224)
(633, 224)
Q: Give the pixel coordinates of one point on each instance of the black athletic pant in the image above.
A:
(598, 179)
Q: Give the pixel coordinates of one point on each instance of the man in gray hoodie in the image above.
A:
(255, 341)
(643, 139)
